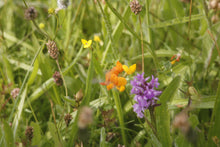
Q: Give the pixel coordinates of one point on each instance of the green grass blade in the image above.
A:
(162, 112)
(177, 21)
(120, 115)
(34, 73)
(102, 137)
(19, 111)
(215, 129)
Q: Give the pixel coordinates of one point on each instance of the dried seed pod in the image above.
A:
(29, 133)
(15, 92)
(181, 122)
(57, 78)
(79, 95)
(67, 119)
(85, 117)
(30, 13)
(135, 7)
(52, 49)
(213, 4)
(215, 19)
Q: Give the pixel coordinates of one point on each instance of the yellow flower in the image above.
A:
(173, 62)
(129, 70)
(51, 11)
(86, 44)
(121, 88)
(96, 38)
(41, 25)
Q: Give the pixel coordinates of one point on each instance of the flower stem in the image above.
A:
(64, 83)
(142, 44)
(120, 115)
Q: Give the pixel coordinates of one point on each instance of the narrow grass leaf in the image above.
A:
(102, 137)
(214, 132)
(177, 21)
(162, 112)
(34, 73)
(120, 115)
(19, 111)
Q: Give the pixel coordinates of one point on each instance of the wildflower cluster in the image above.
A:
(145, 94)
(112, 78)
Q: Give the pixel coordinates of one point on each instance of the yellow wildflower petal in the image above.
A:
(96, 38)
(121, 88)
(83, 41)
(125, 68)
(132, 69)
(89, 43)
(173, 62)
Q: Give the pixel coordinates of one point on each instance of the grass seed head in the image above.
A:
(68, 117)
(52, 49)
(57, 78)
(30, 13)
(135, 7)
(29, 133)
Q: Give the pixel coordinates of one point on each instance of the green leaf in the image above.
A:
(8, 70)
(36, 140)
(194, 121)
(34, 73)
(54, 134)
(163, 116)
(215, 129)
(7, 135)
(120, 115)
(19, 111)
(102, 137)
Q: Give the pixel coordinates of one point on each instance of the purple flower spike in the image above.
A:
(145, 94)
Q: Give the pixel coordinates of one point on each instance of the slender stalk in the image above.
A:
(64, 83)
(142, 44)
(190, 12)
(120, 115)
(152, 127)
(32, 111)
(54, 118)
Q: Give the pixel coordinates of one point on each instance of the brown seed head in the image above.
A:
(15, 92)
(135, 7)
(213, 4)
(181, 122)
(215, 19)
(52, 49)
(30, 13)
(29, 133)
(57, 78)
(85, 117)
(67, 119)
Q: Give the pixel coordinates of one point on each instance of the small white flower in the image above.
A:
(63, 4)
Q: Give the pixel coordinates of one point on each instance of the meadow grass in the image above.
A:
(85, 89)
